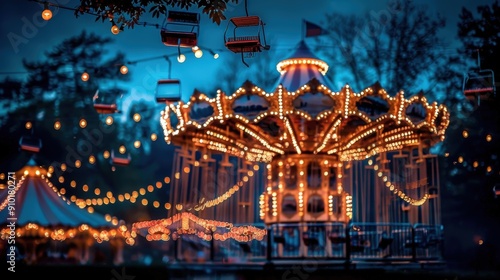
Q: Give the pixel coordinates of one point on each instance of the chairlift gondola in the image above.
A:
(103, 107)
(119, 159)
(180, 29)
(30, 143)
(251, 40)
(496, 190)
(479, 84)
(168, 90)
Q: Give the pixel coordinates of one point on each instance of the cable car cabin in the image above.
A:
(496, 190)
(30, 144)
(168, 90)
(180, 29)
(253, 40)
(119, 159)
(479, 85)
(102, 108)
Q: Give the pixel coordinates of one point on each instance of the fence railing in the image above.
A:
(336, 241)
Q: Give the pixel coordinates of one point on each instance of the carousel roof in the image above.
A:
(36, 201)
(314, 119)
(300, 68)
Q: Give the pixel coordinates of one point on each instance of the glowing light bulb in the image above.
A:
(83, 123)
(115, 29)
(85, 76)
(124, 69)
(216, 55)
(137, 117)
(181, 58)
(109, 120)
(198, 53)
(57, 125)
(46, 14)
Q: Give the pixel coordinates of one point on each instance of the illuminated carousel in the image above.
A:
(334, 174)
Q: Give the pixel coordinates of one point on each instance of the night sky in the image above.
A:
(26, 36)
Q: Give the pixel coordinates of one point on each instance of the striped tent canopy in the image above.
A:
(36, 201)
(300, 68)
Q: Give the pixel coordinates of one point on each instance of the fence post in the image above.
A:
(212, 247)
(269, 249)
(413, 244)
(176, 248)
(347, 247)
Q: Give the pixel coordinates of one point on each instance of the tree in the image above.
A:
(61, 99)
(472, 143)
(65, 64)
(400, 47)
(129, 12)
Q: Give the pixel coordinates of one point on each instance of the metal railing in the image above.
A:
(329, 241)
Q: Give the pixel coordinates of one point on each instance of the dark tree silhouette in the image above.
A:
(399, 46)
(54, 92)
(472, 165)
(130, 12)
(65, 64)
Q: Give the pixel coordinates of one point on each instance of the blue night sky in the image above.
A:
(283, 18)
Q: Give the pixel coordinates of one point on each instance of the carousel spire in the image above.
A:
(300, 68)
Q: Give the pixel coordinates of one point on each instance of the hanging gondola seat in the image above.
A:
(120, 160)
(180, 29)
(496, 190)
(102, 108)
(30, 144)
(168, 90)
(246, 44)
(479, 85)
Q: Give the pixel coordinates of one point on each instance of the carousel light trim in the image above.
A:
(384, 175)
(190, 224)
(329, 135)
(280, 105)
(283, 65)
(260, 139)
(348, 203)
(62, 233)
(226, 195)
(292, 136)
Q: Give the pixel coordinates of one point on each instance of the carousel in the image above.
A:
(332, 174)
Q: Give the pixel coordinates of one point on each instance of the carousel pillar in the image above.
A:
(29, 247)
(85, 256)
(117, 245)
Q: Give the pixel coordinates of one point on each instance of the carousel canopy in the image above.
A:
(36, 201)
(300, 68)
(304, 115)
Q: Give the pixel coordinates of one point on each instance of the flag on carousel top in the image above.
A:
(313, 30)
